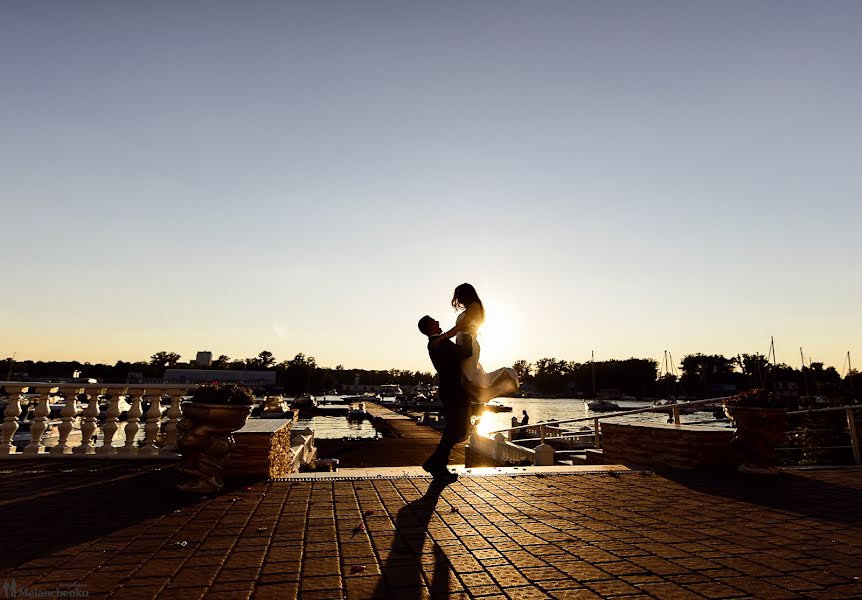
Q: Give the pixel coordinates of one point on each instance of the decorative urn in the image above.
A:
(206, 434)
(760, 417)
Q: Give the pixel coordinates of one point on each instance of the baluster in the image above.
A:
(10, 423)
(132, 426)
(109, 429)
(69, 414)
(40, 420)
(174, 413)
(89, 422)
(151, 429)
(500, 448)
(596, 438)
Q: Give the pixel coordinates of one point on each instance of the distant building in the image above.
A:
(193, 376)
(204, 359)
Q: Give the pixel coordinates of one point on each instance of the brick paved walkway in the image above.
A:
(681, 535)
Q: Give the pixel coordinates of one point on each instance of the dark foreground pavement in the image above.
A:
(119, 530)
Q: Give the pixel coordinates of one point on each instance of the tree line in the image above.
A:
(298, 374)
(700, 375)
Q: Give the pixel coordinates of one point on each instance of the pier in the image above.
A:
(403, 444)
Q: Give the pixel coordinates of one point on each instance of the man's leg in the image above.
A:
(457, 425)
(440, 457)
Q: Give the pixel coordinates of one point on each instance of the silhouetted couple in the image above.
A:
(462, 381)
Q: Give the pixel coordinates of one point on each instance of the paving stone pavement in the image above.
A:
(120, 531)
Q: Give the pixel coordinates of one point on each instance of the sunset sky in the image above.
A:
(624, 177)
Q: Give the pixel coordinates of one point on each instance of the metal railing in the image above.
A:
(673, 409)
(851, 426)
(540, 431)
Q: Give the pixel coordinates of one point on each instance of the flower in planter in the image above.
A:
(223, 393)
(757, 398)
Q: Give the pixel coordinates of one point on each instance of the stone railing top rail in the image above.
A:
(43, 387)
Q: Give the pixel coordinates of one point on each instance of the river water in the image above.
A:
(545, 409)
(539, 409)
(336, 427)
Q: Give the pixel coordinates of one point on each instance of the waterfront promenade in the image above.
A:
(118, 529)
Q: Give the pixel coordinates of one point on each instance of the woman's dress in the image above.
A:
(483, 386)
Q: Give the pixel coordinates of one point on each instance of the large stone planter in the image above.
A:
(758, 432)
(204, 442)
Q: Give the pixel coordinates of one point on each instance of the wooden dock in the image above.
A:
(406, 443)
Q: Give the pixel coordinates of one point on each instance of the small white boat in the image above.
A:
(389, 392)
(275, 407)
(357, 411)
(433, 419)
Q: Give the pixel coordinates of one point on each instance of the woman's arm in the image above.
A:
(471, 313)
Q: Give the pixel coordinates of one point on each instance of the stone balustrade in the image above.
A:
(81, 412)
(302, 449)
(504, 452)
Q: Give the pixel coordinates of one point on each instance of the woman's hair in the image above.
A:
(465, 295)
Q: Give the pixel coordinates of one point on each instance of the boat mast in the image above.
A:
(14, 354)
(666, 376)
(593, 364)
(804, 374)
(673, 372)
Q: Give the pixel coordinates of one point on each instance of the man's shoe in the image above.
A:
(445, 476)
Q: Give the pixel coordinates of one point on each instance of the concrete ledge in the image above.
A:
(666, 446)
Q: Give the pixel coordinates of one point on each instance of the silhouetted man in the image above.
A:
(446, 357)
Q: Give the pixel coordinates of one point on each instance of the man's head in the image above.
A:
(429, 326)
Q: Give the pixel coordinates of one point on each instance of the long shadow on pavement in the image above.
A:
(402, 571)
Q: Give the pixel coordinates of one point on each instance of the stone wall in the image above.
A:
(668, 446)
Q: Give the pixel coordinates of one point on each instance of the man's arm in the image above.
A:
(451, 350)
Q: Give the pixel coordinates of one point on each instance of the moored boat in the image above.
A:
(276, 407)
(304, 403)
(602, 405)
(433, 419)
(357, 411)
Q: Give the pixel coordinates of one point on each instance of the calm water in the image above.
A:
(540, 409)
(336, 427)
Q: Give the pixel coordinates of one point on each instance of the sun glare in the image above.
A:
(498, 338)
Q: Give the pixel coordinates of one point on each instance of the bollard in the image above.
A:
(544, 456)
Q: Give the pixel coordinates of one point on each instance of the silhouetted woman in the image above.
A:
(483, 386)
